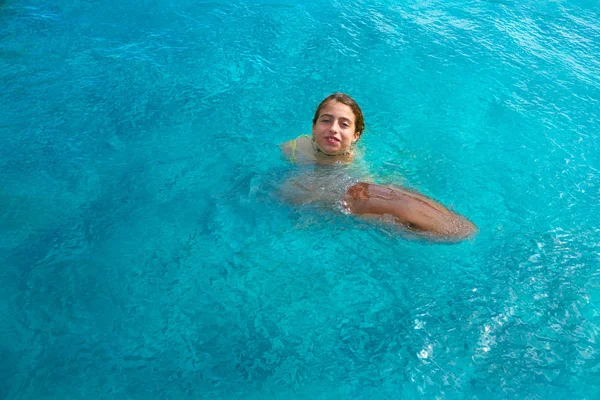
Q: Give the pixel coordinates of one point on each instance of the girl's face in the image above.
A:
(335, 128)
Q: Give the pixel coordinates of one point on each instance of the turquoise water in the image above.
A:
(145, 251)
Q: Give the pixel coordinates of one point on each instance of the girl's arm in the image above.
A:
(413, 210)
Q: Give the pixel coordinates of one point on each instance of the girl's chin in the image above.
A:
(330, 148)
(331, 151)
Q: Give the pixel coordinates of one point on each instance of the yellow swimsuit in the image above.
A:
(293, 156)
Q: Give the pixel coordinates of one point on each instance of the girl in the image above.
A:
(337, 126)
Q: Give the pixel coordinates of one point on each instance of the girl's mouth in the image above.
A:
(332, 139)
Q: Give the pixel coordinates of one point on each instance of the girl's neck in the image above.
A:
(320, 154)
(329, 159)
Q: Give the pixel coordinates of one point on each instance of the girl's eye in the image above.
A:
(345, 125)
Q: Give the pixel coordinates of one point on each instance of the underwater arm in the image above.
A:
(413, 210)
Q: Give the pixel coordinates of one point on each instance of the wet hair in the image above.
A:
(349, 101)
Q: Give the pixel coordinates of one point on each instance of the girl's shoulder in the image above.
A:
(299, 147)
(302, 139)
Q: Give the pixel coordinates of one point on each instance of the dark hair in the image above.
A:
(349, 101)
